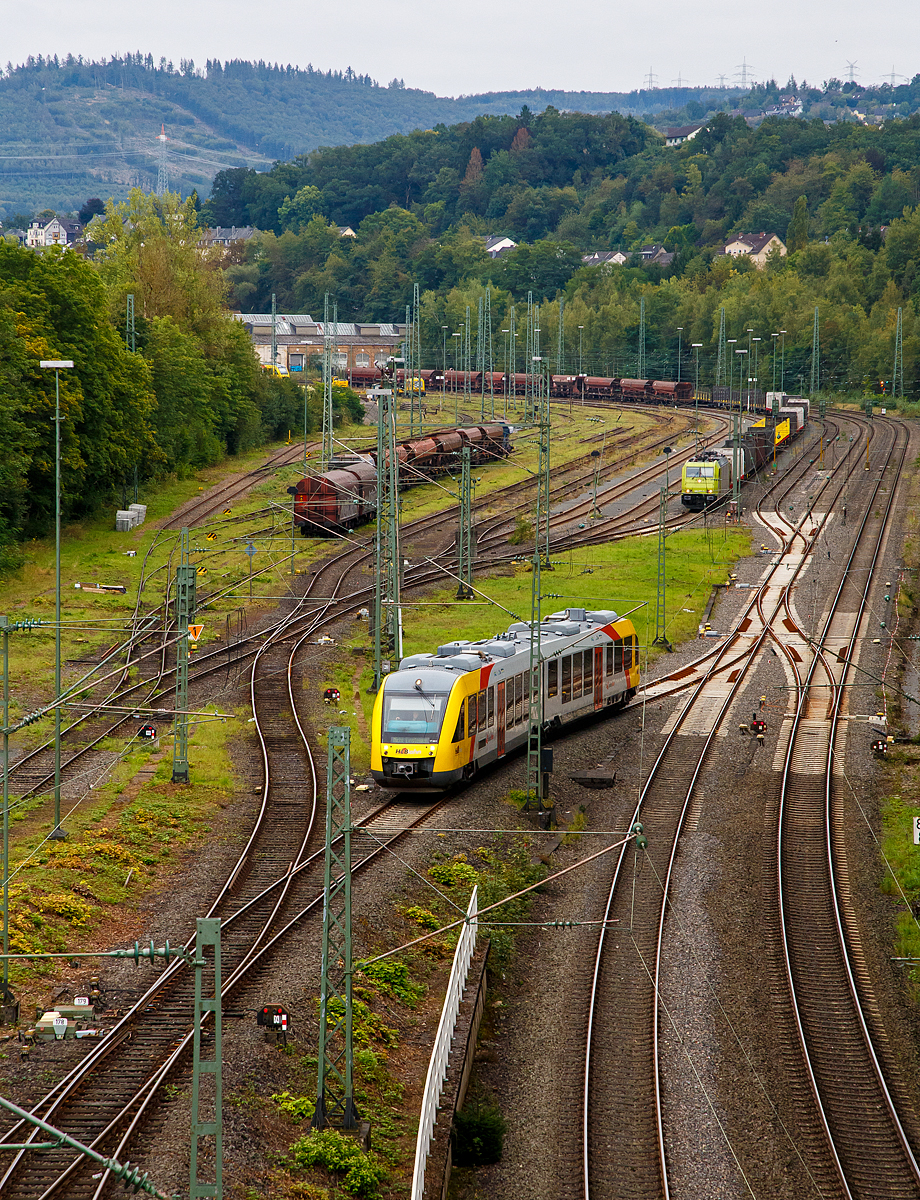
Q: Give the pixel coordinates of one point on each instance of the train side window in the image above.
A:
(471, 716)
(552, 677)
(509, 703)
(618, 657)
(482, 709)
(608, 662)
(589, 672)
(566, 679)
(576, 674)
(518, 699)
(491, 707)
(628, 652)
(459, 731)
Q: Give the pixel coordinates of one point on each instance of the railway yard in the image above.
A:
(731, 1010)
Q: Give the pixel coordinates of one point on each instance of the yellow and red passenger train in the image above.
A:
(443, 716)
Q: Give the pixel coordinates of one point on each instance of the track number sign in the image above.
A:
(917, 831)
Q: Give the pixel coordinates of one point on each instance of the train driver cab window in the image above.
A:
(608, 662)
(460, 731)
(576, 675)
(473, 711)
(692, 471)
(482, 710)
(628, 652)
(491, 707)
(708, 472)
(589, 672)
(566, 679)
(413, 716)
(552, 677)
(618, 657)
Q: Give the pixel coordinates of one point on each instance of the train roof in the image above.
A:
(557, 631)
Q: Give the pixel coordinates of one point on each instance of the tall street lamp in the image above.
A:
(756, 342)
(57, 365)
(775, 337)
(782, 364)
(680, 330)
(456, 372)
(697, 346)
(443, 358)
(736, 474)
(581, 330)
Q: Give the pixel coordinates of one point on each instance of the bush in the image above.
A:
(337, 1152)
(450, 874)
(295, 1107)
(523, 532)
(392, 977)
(479, 1134)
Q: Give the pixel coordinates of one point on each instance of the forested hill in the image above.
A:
(70, 129)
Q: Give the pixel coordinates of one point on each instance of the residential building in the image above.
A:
(346, 231)
(498, 245)
(683, 133)
(756, 245)
(656, 253)
(600, 257)
(221, 235)
(59, 231)
(299, 339)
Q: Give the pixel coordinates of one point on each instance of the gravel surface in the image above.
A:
(731, 1118)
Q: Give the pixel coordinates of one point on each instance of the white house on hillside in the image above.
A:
(756, 245)
(56, 232)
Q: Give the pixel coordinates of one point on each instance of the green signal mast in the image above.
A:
(387, 614)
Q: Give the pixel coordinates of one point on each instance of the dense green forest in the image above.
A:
(190, 392)
(843, 196)
(71, 128)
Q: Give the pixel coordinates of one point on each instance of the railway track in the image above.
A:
(107, 1098)
(860, 1104)
(624, 1122)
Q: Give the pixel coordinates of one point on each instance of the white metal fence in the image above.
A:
(440, 1053)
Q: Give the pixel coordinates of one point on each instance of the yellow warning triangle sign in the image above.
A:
(194, 632)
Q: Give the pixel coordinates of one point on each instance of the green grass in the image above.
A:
(118, 845)
(621, 575)
(567, 443)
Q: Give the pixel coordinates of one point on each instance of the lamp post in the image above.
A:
(57, 365)
(443, 359)
(581, 330)
(731, 371)
(774, 337)
(506, 344)
(697, 346)
(680, 330)
(736, 474)
(756, 341)
(782, 364)
(456, 371)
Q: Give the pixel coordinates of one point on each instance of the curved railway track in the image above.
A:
(622, 1108)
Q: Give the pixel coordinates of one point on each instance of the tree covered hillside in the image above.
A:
(71, 129)
(843, 197)
(605, 182)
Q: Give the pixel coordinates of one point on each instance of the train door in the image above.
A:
(500, 730)
(598, 677)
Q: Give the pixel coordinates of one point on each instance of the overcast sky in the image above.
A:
(484, 45)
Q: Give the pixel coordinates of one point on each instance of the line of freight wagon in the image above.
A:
(561, 387)
(709, 478)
